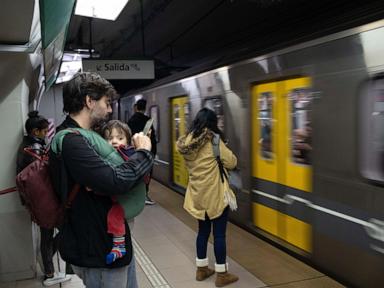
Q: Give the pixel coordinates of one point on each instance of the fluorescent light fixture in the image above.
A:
(103, 9)
(71, 64)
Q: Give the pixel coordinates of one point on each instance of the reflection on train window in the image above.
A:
(186, 117)
(301, 132)
(266, 124)
(154, 114)
(372, 132)
(176, 118)
(216, 104)
(126, 116)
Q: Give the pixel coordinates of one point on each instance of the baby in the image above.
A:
(118, 135)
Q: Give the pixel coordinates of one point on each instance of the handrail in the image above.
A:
(8, 190)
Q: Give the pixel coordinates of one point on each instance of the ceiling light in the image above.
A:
(70, 65)
(103, 9)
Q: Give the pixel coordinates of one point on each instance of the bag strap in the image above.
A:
(31, 152)
(215, 145)
(216, 153)
(76, 187)
(57, 141)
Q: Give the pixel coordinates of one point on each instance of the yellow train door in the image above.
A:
(179, 118)
(281, 149)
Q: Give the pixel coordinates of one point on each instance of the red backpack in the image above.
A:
(36, 189)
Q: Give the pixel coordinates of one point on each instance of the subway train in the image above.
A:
(307, 126)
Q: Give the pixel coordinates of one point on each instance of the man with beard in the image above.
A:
(83, 237)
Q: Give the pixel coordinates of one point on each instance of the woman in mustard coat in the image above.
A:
(207, 196)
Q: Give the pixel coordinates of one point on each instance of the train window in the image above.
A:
(372, 129)
(176, 117)
(266, 124)
(301, 131)
(154, 114)
(216, 104)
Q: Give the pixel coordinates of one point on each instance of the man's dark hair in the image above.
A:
(141, 104)
(35, 121)
(81, 85)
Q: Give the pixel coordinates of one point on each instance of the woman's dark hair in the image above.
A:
(35, 121)
(205, 118)
(81, 85)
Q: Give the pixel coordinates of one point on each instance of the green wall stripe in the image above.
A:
(54, 17)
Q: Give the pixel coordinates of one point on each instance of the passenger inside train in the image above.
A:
(266, 120)
(301, 126)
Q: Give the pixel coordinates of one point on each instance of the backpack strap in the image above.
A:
(32, 152)
(57, 141)
(215, 145)
(216, 154)
(98, 143)
(56, 147)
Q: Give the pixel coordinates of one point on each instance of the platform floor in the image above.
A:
(164, 242)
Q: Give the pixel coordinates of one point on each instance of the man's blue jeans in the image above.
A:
(219, 228)
(132, 279)
(103, 278)
(124, 277)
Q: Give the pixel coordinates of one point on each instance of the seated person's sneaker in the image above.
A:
(58, 277)
(149, 201)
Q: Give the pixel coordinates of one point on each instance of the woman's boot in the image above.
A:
(224, 278)
(203, 272)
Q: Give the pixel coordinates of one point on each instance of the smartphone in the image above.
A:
(147, 126)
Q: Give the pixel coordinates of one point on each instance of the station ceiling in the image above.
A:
(180, 34)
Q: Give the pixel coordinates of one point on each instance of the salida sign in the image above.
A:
(118, 67)
(121, 69)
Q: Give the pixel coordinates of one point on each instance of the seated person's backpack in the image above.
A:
(133, 201)
(36, 190)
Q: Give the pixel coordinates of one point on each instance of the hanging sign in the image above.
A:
(121, 69)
